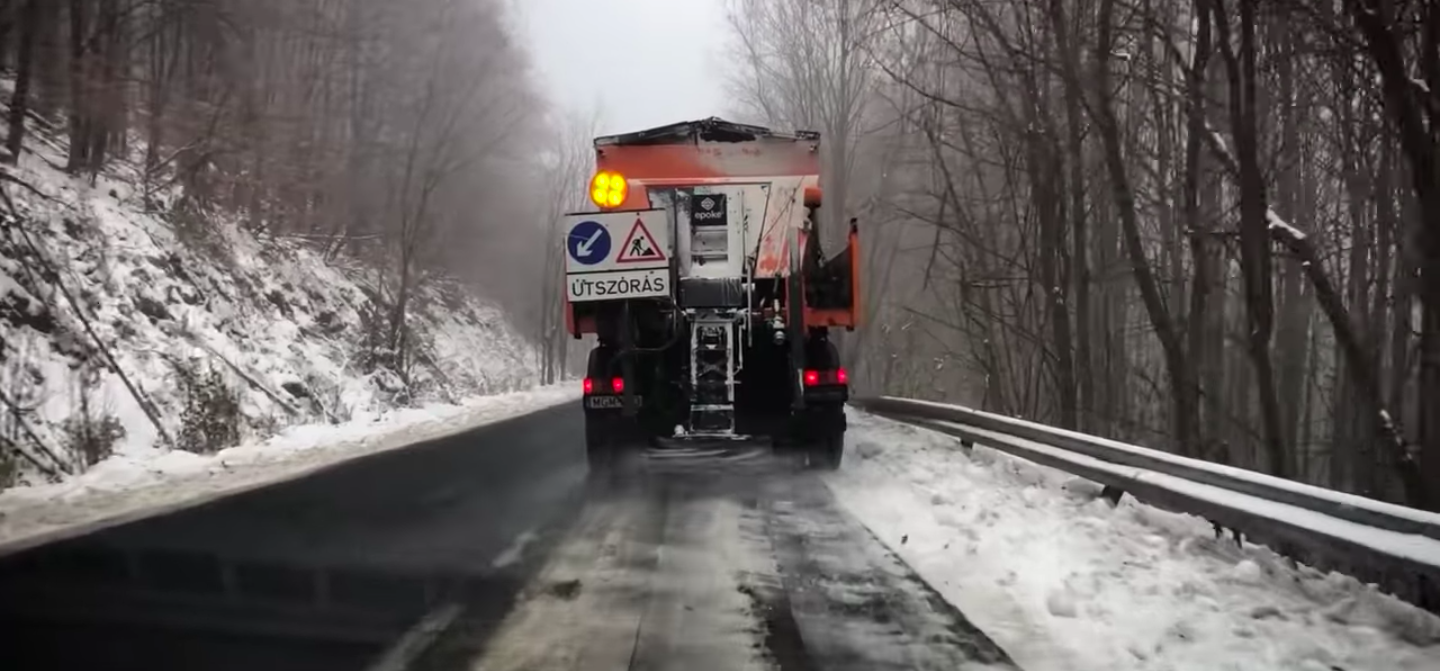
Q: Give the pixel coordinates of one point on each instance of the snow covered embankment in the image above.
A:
(149, 359)
(1063, 581)
(123, 487)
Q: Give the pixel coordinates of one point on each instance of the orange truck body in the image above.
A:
(789, 166)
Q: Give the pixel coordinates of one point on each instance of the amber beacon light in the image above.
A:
(608, 189)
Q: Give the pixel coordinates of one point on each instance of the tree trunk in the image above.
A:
(1044, 178)
(20, 101)
(1401, 312)
(1069, 50)
(7, 29)
(1291, 340)
(1255, 261)
(1184, 408)
(49, 91)
(108, 119)
(79, 89)
(1410, 108)
(1202, 267)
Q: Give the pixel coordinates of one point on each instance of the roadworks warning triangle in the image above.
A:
(639, 246)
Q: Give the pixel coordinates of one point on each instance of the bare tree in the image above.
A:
(566, 175)
(1403, 43)
(363, 126)
(807, 66)
(29, 26)
(1091, 209)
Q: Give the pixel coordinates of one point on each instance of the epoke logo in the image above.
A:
(708, 209)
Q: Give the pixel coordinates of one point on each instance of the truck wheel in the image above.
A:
(827, 452)
(599, 451)
(820, 436)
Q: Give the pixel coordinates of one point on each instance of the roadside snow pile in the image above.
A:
(128, 332)
(125, 487)
(1063, 581)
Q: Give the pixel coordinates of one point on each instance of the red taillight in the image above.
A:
(589, 386)
(618, 385)
(815, 378)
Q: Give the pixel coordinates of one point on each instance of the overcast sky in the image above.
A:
(644, 63)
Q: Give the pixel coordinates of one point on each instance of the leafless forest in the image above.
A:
(400, 133)
(1195, 224)
(1204, 225)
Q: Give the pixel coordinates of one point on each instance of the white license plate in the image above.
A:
(608, 402)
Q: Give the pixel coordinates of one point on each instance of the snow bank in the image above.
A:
(1064, 581)
(225, 336)
(126, 487)
(1341, 500)
(1421, 549)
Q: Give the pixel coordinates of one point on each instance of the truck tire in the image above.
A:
(599, 429)
(827, 452)
(613, 444)
(822, 437)
(599, 452)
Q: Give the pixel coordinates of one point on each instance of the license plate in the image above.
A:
(609, 402)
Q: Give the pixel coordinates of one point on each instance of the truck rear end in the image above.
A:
(701, 275)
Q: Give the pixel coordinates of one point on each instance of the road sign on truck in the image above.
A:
(611, 286)
(616, 241)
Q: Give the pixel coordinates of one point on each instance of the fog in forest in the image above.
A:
(1191, 224)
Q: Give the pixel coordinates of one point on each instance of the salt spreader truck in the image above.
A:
(701, 275)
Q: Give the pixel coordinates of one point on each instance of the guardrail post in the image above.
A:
(1112, 494)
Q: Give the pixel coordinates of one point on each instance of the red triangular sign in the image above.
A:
(639, 246)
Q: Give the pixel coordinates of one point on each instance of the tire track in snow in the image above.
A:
(747, 565)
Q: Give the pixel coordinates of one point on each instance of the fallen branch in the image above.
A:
(293, 411)
(140, 398)
(5, 176)
(49, 471)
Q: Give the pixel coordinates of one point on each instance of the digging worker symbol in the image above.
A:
(639, 246)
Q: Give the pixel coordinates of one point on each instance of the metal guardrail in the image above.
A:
(1394, 547)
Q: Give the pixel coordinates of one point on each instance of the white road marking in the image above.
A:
(584, 609)
(417, 640)
(516, 550)
(684, 454)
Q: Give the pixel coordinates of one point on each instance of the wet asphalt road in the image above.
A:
(491, 550)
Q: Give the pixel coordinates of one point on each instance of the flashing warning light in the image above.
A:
(618, 385)
(812, 378)
(608, 189)
(589, 386)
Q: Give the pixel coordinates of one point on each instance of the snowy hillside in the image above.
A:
(127, 335)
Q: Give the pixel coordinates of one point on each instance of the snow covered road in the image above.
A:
(493, 549)
(729, 559)
(496, 541)
(495, 546)
(1063, 581)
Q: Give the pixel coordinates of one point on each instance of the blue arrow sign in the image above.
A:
(589, 243)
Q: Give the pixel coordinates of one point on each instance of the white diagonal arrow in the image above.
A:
(583, 249)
